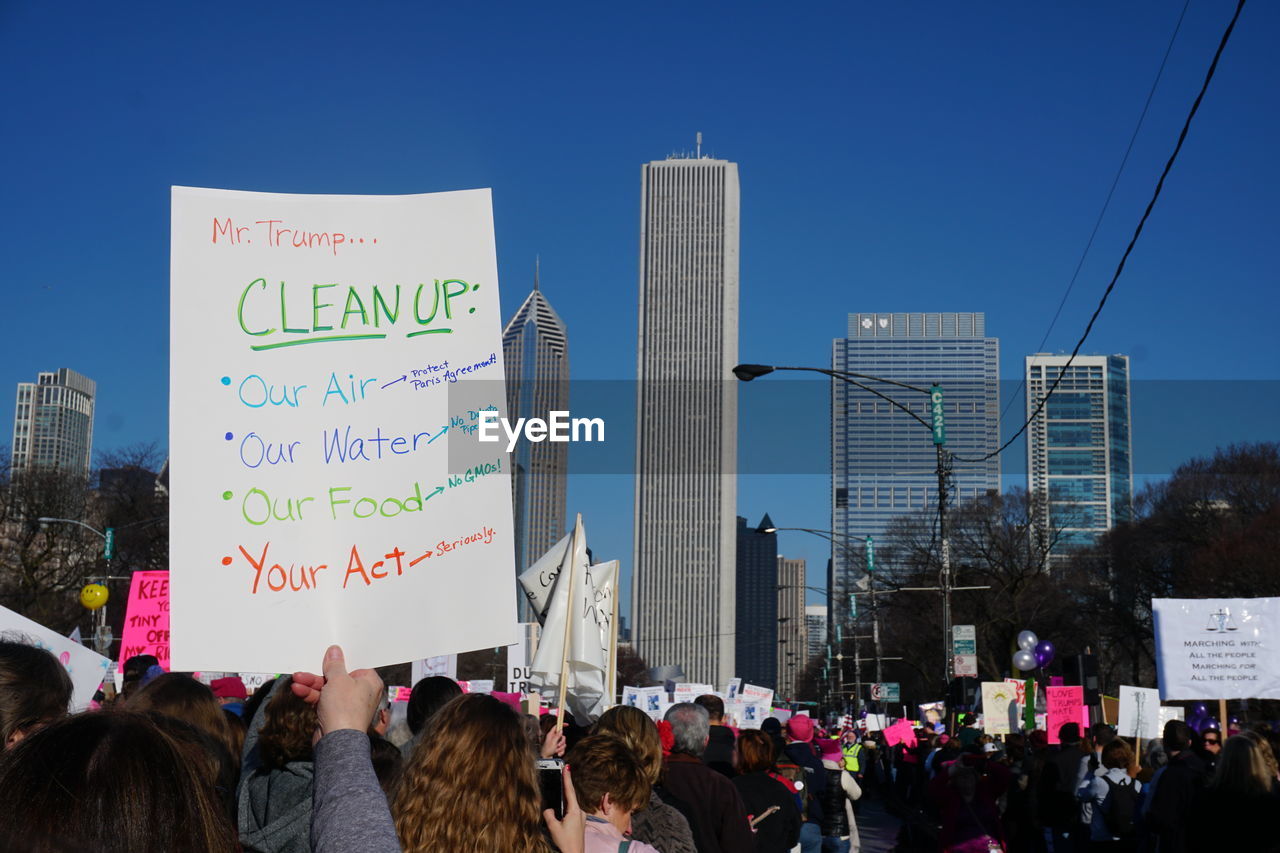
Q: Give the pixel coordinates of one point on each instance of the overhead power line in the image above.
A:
(1186, 126)
(1106, 204)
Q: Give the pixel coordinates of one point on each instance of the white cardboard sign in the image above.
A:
(1217, 648)
(1139, 712)
(87, 668)
(330, 358)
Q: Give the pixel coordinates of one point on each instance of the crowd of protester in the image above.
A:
(305, 764)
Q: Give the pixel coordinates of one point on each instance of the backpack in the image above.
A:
(790, 773)
(1119, 808)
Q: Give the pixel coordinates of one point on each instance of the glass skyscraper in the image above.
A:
(1078, 448)
(535, 350)
(884, 461)
(53, 423)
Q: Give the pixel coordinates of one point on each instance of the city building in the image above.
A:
(1078, 448)
(756, 651)
(884, 460)
(815, 623)
(53, 424)
(686, 417)
(793, 641)
(535, 350)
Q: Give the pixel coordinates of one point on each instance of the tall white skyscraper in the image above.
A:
(535, 350)
(1078, 447)
(687, 409)
(53, 424)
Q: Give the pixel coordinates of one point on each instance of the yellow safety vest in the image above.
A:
(851, 752)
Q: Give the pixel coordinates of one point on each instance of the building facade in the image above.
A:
(815, 625)
(535, 350)
(53, 423)
(756, 650)
(793, 652)
(686, 417)
(884, 460)
(1079, 463)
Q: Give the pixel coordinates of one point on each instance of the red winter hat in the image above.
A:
(800, 728)
(230, 687)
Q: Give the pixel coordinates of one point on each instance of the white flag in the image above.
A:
(588, 616)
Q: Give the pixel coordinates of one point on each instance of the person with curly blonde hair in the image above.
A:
(660, 823)
(470, 785)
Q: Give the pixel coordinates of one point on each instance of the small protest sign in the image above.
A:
(146, 620)
(1064, 705)
(999, 708)
(752, 694)
(1139, 712)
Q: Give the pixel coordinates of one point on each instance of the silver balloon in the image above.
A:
(1027, 641)
(1023, 659)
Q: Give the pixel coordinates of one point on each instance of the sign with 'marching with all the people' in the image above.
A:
(331, 356)
(1217, 648)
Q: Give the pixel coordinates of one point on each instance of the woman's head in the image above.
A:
(34, 690)
(634, 728)
(288, 728)
(429, 696)
(1117, 754)
(470, 784)
(109, 781)
(182, 697)
(603, 765)
(755, 751)
(1245, 766)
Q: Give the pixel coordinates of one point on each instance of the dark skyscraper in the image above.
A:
(535, 349)
(757, 604)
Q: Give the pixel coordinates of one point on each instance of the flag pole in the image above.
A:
(569, 610)
(612, 683)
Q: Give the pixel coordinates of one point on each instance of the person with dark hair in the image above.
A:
(611, 785)
(111, 782)
(721, 823)
(276, 781)
(134, 671)
(1175, 788)
(1100, 734)
(1059, 809)
(719, 752)
(428, 696)
(35, 690)
(771, 807)
(181, 696)
(664, 823)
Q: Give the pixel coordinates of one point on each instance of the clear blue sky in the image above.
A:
(893, 156)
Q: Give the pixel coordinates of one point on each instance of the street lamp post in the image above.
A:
(937, 427)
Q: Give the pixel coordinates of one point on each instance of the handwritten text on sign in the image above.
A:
(146, 620)
(1065, 705)
(1217, 648)
(328, 485)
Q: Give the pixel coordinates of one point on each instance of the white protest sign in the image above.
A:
(653, 701)
(999, 707)
(631, 697)
(732, 688)
(752, 694)
(1217, 648)
(876, 722)
(1139, 712)
(688, 691)
(440, 665)
(752, 715)
(1170, 712)
(330, 359)
(86, 667)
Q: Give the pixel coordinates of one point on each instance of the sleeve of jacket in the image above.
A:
(349, 810)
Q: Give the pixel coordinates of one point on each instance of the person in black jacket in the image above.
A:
(719, 752)
(771, 807)
(1176, 788)
(800, 751)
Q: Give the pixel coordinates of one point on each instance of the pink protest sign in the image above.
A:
(1065, 705)
(146, 621)
(901, 732)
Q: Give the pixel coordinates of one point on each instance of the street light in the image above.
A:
(102, 637)
(937, 427)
